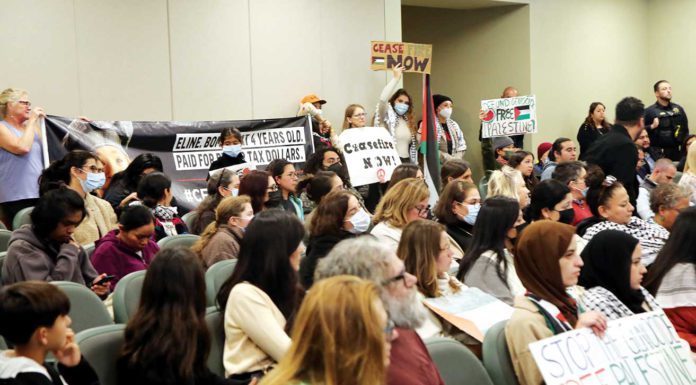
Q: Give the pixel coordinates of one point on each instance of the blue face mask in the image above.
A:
(470, 218)
(93, 181)
(232, 150)
(400, 108)
(583, 191)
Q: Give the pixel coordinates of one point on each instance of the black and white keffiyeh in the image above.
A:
(604, 301)
(650, 236)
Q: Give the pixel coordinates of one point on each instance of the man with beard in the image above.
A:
(666, 121)
(365, 257)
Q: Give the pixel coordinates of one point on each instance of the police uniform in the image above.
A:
(673, 128)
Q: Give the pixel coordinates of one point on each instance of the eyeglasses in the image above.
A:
(422, 210)
(400, 277)
(272, 188)
(360, 115)
(389, 330)
(24, 103)
(291, 175)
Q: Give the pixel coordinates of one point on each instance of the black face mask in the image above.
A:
(274, 199)
(567, 216)
(336, 167)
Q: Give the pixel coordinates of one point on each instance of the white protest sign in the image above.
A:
(239, 169)
(639, 350)
(470, 310)
(509, 116)
(370, 154)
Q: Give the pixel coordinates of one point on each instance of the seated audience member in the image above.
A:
(488, 264)
(129, 248)
(562, 150)
(315, 187)
(640, 164)
(688, 178)
(338, 217)
(523, 161)
(663, 173)
(167, 341)
(503, 146)
(83, 173)
(668, 200)
(573, 174)
(46, 251)
(508, 182)
(594, 126)
(542, 158)
(672, 278)
(455, 169)
(331, 159)
(261, 297)
(367, 258)
(547, 264)
(221, 239)
(609, 202)
(259, 185)
(457, 209)
(34, 319)
(652, 154)
(124, 185)
(403, 203)
(613, 285)
(155, 192)
(285, 176)
(223, 184)
(684, 150)
(404, 171)
(426, 253)
(551, 200)
(341, 320)
(231, 143)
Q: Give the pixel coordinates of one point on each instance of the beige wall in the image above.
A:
(194, 60)
(476, 54)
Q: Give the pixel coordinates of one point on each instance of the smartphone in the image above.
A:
(106, 279)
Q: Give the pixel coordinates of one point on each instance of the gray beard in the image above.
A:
(408, 313)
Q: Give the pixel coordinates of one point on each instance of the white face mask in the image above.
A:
(446, 113)
(361, 222)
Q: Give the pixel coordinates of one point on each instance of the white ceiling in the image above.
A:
(462, 4)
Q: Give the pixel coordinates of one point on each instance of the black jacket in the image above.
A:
(226, 161)
(673, 127)
(461, 233)
(317, 249)
(588, 135)
(617, 155)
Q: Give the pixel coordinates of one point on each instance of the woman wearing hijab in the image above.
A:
(613, 285)
(547, 264)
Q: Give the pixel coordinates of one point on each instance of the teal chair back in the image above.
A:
(496, 356)
(2, 225)
(4, 239)
(189, 217)
(89, 249)
(216, 275)
(23, 217)
(185, 240)
(456, 363)
(101, 347)
(126, 297)
(86, 309)
(214, 319)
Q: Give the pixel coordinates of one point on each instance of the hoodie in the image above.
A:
(113, 257)
(31, 258)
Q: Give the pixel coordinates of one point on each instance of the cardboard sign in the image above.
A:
(639, 350)
(470, 310)
(413, 57)
(370, 154)
(509, 116)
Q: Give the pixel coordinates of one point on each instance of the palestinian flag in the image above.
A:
(429, 145)
(522, 113)
(377, 60)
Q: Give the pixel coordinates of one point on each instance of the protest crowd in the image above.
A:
(314, 272)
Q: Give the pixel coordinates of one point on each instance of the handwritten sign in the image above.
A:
(639, 350)
(509, 116)
(413, 57)
(370, 154)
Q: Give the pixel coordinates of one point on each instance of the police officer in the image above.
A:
(666, 121)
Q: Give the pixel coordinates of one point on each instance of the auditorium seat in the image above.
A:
(214, 319)
(4, 239)
(86, 309)
(127, 296)
(496, 356)
(456, 363)
(89, 249)
(23, 217)
(3, 255)
(101, 347)
(185, 240)
(189, 217)
(216, 275)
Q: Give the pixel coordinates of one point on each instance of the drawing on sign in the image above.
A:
(509, 116)
(413, 57)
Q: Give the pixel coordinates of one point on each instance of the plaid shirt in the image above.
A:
(605, 302)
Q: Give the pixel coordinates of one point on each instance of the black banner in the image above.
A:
(186, 148)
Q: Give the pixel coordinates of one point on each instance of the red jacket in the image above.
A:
(684, 321)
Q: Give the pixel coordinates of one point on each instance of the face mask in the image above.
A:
(336, 167)
(583, 191)
(235, 192)
(567, 216)
(508, 153)
(360, 221)
(93, 181)
(446, 113)
(274, 199)
(400, 108)
(232, 150)
(473, 213)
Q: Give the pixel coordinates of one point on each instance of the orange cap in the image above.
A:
(312, 98)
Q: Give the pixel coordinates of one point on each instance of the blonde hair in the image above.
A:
(9, 95)
(690, 165)
(228, 207)
(402, 197)
(350, 110)
(504, 182)
(337, 337)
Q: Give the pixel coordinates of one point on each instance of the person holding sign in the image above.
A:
(547, 264)
(231, 142)
(395, 113)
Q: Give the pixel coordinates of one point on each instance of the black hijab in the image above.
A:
(607, 259)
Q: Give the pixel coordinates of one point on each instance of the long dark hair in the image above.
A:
(679, 248)
(151, 188)
(58, 173)
(53, 207)
(254, 185)
(264, 260)
(409, 115)
(318, 185)
(589, 121)
(498, 215)
(547, 194)
(222, 179)
(130, 177)
(168, 333)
